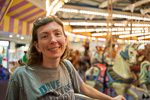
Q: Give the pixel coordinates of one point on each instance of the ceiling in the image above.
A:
(120, 7)
(16, 24)
(30, 10)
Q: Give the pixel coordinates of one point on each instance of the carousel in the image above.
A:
(109, 39)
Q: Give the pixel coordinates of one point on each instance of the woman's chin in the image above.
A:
(56, 57)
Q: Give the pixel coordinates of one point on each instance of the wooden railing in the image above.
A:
(83, 97)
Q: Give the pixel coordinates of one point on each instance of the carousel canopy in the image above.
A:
(129, 19)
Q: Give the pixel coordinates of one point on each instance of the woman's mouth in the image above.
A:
(54, 48)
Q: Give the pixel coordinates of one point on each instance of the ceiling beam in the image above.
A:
(136, 4)
(146, 10)
(100, 10)
(39, 3)
(105, 3)
(103, 21)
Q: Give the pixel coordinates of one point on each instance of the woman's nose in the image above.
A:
(53, 39)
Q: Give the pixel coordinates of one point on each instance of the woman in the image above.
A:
(45, 76)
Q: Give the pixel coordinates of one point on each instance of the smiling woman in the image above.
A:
(36, 56)
(47, 75)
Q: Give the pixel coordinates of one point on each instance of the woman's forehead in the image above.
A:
(53, 26)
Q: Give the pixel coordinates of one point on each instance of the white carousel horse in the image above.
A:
(144, 78)
(119, 76)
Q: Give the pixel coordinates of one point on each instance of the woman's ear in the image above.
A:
(66, 40)
(37, 46)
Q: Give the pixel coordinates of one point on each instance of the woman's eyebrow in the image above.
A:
(56, 30)
(43, 33)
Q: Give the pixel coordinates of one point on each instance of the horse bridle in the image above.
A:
(125, 54)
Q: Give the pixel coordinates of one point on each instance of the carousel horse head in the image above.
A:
(129, 53)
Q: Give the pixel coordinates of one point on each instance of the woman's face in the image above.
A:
(51, 41)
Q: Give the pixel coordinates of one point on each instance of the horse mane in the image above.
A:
(143, 71)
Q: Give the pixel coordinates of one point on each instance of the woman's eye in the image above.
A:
(57, 33)
(44, 36)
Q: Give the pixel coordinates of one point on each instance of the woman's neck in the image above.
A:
(50, 63)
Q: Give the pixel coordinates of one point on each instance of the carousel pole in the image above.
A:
(96, 37)
(86, 45)
(111, 31)
(144, 31)
(105, 89)
(107, 37)
(86, 18)
(69, 18)
(111, 40)
(131, 26)
(131, 7)
(143, 12)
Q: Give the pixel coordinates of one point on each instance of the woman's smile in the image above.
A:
(56, 48)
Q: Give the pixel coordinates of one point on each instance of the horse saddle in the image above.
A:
(115, 77)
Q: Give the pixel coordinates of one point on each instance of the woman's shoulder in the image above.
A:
(18, 71)
(68, 65)
(67, 62)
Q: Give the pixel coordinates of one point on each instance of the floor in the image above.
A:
(3, 88)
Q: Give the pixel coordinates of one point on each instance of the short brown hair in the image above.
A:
(33, 55)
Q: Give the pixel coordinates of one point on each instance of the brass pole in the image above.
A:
(111, 32)
(69, 20)
(131, 25)
(107, 22)
(144, 31)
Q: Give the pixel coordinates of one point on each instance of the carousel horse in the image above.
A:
(144, 78)
(119, 76)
